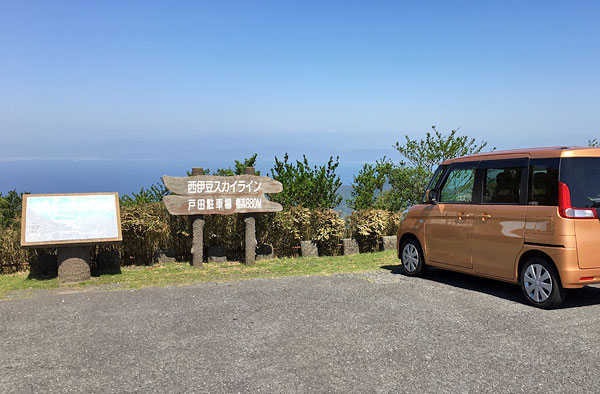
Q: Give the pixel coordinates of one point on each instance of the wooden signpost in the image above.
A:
(200, 194)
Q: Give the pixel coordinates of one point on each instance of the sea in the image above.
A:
(43, 176)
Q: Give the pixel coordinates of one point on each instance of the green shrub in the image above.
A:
(13, 257)
(368, 226)
(145, 228)
(327, 228)
(288, 228)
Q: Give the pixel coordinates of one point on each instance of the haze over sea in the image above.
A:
(111, 95)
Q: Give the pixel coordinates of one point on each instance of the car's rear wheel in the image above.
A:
(411, 254)
(541, 284)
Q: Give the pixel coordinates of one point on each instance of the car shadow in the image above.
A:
(586, 296)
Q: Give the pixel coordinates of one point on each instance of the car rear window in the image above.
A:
(582, 176)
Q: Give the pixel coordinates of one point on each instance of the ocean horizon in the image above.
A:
(51, 176)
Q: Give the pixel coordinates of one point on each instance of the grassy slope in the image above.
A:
(171, 274)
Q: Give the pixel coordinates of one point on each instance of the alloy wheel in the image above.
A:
(537, 282)
(410, 257)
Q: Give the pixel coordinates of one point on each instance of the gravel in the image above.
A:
(372, 332)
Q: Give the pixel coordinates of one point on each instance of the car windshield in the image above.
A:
(582, 176)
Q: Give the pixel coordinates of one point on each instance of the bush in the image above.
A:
(145, 228)
(327, 228)
(313, 187)
(13, 258)
(368, 226)
(288, 228)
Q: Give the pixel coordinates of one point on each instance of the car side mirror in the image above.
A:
(430, 196)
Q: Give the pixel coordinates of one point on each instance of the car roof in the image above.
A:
(534, 153)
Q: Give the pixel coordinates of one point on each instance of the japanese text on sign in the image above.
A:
(207, 187)
(210, 204)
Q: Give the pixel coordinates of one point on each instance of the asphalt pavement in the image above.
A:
(364, 333)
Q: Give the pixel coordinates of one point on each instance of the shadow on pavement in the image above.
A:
(586, 296)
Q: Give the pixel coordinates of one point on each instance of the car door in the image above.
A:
(449, 222)
(499, 221)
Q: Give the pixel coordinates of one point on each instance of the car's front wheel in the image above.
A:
(411, 254)
(541, 284)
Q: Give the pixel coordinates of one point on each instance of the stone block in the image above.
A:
(349, 246)
(45, 266)
(217, 254)
(73, 264)
(264, 252)
(389, 242)
(164, 256)
(309, 249)
(109, 262)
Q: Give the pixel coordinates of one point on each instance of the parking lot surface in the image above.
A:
(372, 332)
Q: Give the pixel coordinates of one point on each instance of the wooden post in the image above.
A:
(197, 231)
(250, 221)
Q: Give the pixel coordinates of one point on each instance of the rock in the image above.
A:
(45, 266)
(164, 256)
(264, 252)
(349, 246)
(109, 262)
(389, 242)
(309, 249)
(73, 264)
(217, 254)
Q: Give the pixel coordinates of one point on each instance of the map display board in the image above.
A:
(69, 219)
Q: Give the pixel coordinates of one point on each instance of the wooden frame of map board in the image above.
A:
(110, 203)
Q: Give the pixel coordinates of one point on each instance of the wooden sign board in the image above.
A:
(208, 185)
(50, 220)
(220, 195)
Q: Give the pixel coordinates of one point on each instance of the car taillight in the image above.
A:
(566, 210)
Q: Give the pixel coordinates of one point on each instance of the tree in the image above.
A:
(239, 168)
(428, 153)
(10, 207)
(409, 179)
(303, 185)
(155, 193)
(594, 143)
(368, 185)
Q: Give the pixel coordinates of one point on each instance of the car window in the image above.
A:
(582, 176)
(502, 186)
(543, 182)
(458, 187)
(434, 179)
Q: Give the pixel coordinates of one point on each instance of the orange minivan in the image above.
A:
(528, 216)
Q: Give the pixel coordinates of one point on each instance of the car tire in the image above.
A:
(411, 255)
(541, 284)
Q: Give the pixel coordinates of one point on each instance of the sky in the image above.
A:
(111, 95)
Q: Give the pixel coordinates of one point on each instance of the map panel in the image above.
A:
(55, 219)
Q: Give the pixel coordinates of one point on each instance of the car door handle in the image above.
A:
(462, 216)
(485, 217)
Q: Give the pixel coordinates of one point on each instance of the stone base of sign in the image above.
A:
(389, 242)
(164, 256)
(109, 262)
(217, 254)
(349, 246)
(73, 264)
(44, 266)
(250, 243)
(309, 249)
(264, 252)
(198, 241)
